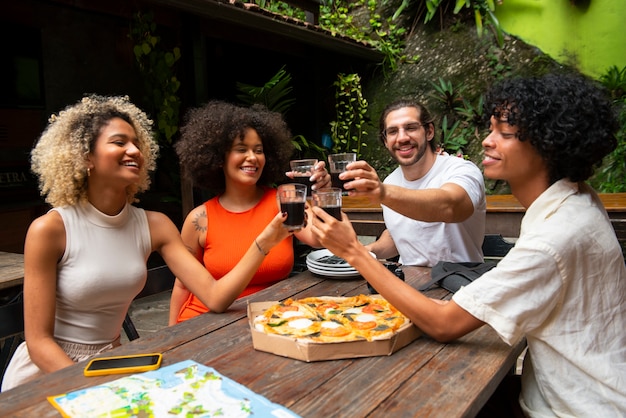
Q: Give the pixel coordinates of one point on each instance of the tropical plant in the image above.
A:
(611, 177)
(462, 119)
(447, 94)
(275, 94)
(451, 141)
(614, 80)
(348, 130)
(483, 13)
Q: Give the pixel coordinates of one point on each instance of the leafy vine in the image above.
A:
(158, 68)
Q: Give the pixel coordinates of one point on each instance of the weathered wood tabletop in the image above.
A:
(425, 378)
(11, 270)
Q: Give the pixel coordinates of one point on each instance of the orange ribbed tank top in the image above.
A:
(229, 235)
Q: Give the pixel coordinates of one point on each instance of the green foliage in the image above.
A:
(452, 142)
(280, 7)
(348, 130)
(483, 14)
(382, 33)
(447, 94)
(614, 80)
(462, 118)
(275, 94)
(158, 68)
(611, 177)
(500, 68)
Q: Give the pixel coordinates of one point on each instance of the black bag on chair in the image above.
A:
(451, 276)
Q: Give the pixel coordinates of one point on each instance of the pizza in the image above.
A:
(332, 319)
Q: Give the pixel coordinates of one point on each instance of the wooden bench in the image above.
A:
(504, 215)
(366, 218)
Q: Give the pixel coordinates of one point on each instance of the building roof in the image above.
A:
(252, 16)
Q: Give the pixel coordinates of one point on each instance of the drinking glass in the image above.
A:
(337, 164)
(292, 197)
(302, 171)
(329, 199)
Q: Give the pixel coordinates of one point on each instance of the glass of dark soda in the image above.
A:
(292, 197)
(328, 199)
(337, 164)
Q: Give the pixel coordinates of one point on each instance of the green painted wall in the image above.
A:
(592, 38)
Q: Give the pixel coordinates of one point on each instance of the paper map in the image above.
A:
(179, 390)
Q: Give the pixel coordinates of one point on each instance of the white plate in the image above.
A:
(321, 266)
(318, 259)
(321, 258)
(335, 274)
(331, 269)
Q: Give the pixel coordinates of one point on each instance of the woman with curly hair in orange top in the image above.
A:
(239, 154)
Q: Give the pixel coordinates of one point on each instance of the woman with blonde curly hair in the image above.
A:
(238, 153)
(85, 260)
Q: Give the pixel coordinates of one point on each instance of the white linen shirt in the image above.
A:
(563, 287)
(425, 243)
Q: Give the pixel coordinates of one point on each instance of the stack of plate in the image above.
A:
(325, 263)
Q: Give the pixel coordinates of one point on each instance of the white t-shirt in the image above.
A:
(563, 287)
(425, 243)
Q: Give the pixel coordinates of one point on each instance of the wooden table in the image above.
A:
(425, 378)
(11, 270)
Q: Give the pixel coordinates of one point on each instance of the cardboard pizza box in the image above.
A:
(317, 351)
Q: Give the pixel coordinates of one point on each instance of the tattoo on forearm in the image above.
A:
(200, 222)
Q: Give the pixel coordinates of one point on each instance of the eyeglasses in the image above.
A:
(410, 129)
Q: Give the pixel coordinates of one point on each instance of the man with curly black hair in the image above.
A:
(562, 286)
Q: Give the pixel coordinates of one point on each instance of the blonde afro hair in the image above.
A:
(59, 158)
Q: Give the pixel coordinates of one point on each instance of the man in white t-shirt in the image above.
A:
(433, 204)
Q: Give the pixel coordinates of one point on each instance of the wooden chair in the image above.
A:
(11, 330)
(160, 279)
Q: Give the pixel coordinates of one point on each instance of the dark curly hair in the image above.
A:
(209, 132)
(568, 119)
(425, 118)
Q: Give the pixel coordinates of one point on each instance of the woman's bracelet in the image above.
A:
(260, 249)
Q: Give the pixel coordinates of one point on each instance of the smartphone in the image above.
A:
(123, 364)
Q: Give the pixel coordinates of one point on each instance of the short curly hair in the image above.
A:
(209, 132)
(59, 157)
(568, 119)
